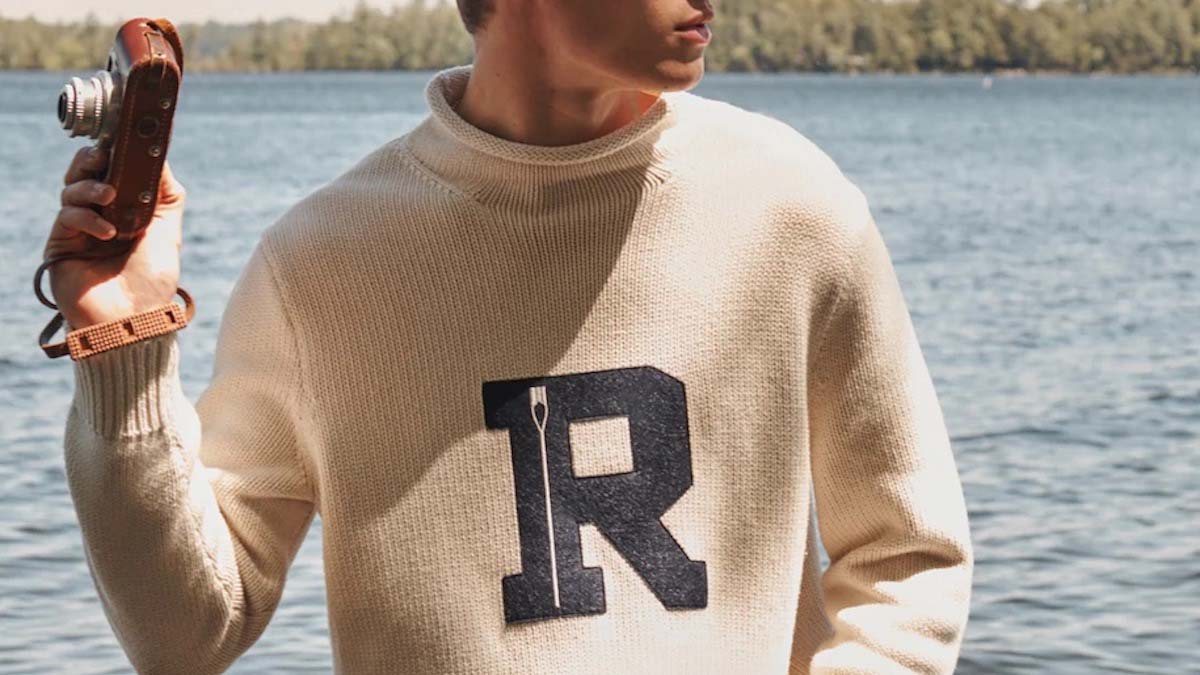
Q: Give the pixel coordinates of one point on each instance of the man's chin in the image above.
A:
(680, 76)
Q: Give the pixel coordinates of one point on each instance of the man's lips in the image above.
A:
(697, 33)
(695, 21)
(696, 29)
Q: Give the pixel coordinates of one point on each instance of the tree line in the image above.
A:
(1118, 36)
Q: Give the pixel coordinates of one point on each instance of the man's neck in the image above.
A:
(524, 101)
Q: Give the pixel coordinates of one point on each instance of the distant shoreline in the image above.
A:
(989, 38)
(994, 74)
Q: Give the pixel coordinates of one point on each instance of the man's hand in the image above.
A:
(95, 290)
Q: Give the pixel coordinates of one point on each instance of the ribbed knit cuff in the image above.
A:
(129, 390)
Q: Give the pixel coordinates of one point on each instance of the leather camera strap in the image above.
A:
(100, 337)
(167, 28)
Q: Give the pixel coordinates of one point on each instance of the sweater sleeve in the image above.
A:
(890, 506)
(191, 516)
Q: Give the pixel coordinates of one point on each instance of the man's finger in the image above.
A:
(82, 219)
(87, 192)
(85, 164)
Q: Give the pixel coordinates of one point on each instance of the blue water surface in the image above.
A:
(1046, 232)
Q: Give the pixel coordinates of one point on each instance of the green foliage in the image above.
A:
(750, 35)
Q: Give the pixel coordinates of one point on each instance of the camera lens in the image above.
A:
(67, 103)
(85, 108)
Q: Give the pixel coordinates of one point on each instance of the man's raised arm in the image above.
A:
(191, 516)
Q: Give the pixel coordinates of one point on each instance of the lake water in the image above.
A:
(1047, 236)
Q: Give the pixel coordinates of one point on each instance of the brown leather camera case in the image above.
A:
(149, 56)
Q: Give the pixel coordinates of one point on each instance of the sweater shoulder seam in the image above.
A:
(845, 271)
(305, 394)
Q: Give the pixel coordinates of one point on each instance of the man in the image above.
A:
(562, 369)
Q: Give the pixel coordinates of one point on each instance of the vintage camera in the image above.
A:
(128, 108)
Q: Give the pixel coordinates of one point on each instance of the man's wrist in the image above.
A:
(87, 341)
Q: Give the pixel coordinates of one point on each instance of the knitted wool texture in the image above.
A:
(714, 248)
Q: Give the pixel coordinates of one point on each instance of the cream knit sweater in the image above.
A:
(562, 409)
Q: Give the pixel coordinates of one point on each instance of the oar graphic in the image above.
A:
(537, 397)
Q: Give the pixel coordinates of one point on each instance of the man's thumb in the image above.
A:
(169, 188)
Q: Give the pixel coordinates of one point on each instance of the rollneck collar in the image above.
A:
(502, 173)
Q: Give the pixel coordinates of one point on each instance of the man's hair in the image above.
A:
(473, 13)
